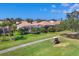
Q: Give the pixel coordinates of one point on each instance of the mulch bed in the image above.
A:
(73, 35)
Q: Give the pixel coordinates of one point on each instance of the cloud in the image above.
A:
(69, 10)
(75, 6)
(53, 11)
(53, 6)
(77, 9)
(65, 11)
(56, 11)
(72, 8)
(65, 4)
(43, 9)
(59, 11)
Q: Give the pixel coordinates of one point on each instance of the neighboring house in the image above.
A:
(36, 24)
(23, 24)
(6, 29)
(44, 23)
(54, 22)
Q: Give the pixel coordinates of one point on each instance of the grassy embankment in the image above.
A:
(27, 38)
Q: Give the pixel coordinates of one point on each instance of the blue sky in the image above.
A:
(36, 10)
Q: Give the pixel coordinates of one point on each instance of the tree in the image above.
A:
(39, 20)
(11, 23)
(72, 22)
(29, 20)
(18, 19)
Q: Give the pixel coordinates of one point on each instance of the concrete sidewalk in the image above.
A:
(22, 45)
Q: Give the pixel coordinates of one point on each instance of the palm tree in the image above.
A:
(12, 26)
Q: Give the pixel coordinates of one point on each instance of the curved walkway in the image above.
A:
(22, 45)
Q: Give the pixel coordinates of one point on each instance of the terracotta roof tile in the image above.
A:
(43, 23)
(24, 23)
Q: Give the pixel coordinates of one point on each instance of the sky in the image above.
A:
(37, 10)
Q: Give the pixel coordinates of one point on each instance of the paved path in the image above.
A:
(22, 45)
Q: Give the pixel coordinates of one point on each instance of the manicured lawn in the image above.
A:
(27, 38)
(46, 48)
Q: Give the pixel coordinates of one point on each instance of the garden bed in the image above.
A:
(73, 35)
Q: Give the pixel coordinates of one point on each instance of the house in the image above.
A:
(5, 29)
(54, 22)
(44, 23)
(23, 24)
(36, 24)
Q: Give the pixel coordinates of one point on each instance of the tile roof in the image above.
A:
(43, 23)
(23, 24)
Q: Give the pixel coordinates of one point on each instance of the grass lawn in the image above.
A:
(46, 48)
(27, 38)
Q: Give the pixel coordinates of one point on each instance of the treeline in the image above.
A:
(28, 19)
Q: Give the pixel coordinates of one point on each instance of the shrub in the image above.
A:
(35, 30)
(20, 37)
(43, 30)
(55, 28)
(23, 31)
(51, 29)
